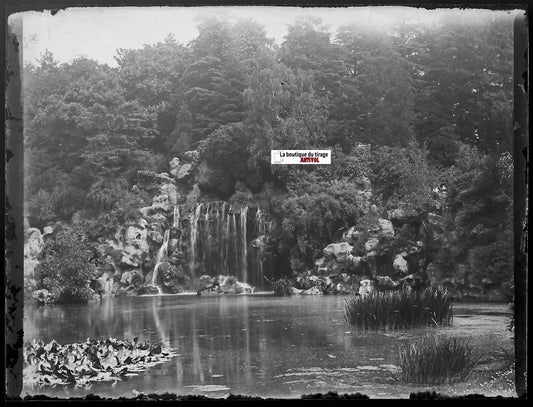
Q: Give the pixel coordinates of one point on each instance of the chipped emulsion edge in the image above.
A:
(14, 233)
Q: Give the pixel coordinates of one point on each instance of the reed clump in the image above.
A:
(433, 360)
(399, 310)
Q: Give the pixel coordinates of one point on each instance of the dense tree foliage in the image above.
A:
(65, 270)
(430, 104)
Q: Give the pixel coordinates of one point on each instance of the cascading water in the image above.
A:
(244, 224)
(218, 239)
(195, 215)
(176, 221)
(160, 258)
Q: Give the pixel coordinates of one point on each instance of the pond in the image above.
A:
(268, 346)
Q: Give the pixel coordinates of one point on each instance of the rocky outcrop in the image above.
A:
(33, 245)
(400, 264)
(401, 215)
(184, 172)
(351, 235)
(43, 297)
(174, 165)
(383, 229)
(339, 251)
(104, 285)
(366, 287)
(223, 285)
(371, 246)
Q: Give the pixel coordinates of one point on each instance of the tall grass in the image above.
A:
(399, 310)
(435, 361)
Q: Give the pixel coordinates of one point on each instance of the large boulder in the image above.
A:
(366, 287)
(129, 278)
(174, 165)
(400, 264)
(148, 212)
(343, 289)
(339, 251)
(402, 215)
(191, 156)
(136, 236)
(48, 230)
(155, 236)
(157, 220)
(130, 256)
(351, 235)
(310, 291)
(259, 242)
(371, 246)
(162, 202)
(184, 171)
(171, 191)
(33, 246)
(354, 262)
(386, 228)
(321, 265)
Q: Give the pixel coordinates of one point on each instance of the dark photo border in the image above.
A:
(13, 203)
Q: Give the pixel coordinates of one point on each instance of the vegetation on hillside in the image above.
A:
(433, 102)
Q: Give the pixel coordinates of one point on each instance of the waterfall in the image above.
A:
(176, 222)
(244, 259)
(260, 232)
(195, 216)
(226, 237)
(207, 237)
(218, 260)
(161, 256)
(217, 241)
(235, 270)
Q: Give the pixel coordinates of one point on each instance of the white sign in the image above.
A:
(300, 156)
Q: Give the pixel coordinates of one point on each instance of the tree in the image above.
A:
(153, 77)
(284, 112)
(375, 100)
(404, 177)
(462, 71)
(226, 153)
(80, 129)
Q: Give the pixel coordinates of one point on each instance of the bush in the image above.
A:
(65, 270)
(493, 261)
(282, 287)
(313, 214)
(399, 310)
(435, 361)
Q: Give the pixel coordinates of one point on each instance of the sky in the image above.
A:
(97, 33)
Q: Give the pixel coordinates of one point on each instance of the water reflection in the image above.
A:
(247, 345)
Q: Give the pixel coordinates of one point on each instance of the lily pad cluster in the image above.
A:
(90, 361)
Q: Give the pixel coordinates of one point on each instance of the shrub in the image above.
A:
(399, 310)
(314, 213)
(282, 287)
(435, 360)
(65, 270)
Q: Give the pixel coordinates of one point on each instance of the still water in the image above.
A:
(267, 346)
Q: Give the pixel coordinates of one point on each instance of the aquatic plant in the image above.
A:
(433, 360)
(399, 309)
(90, 361)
